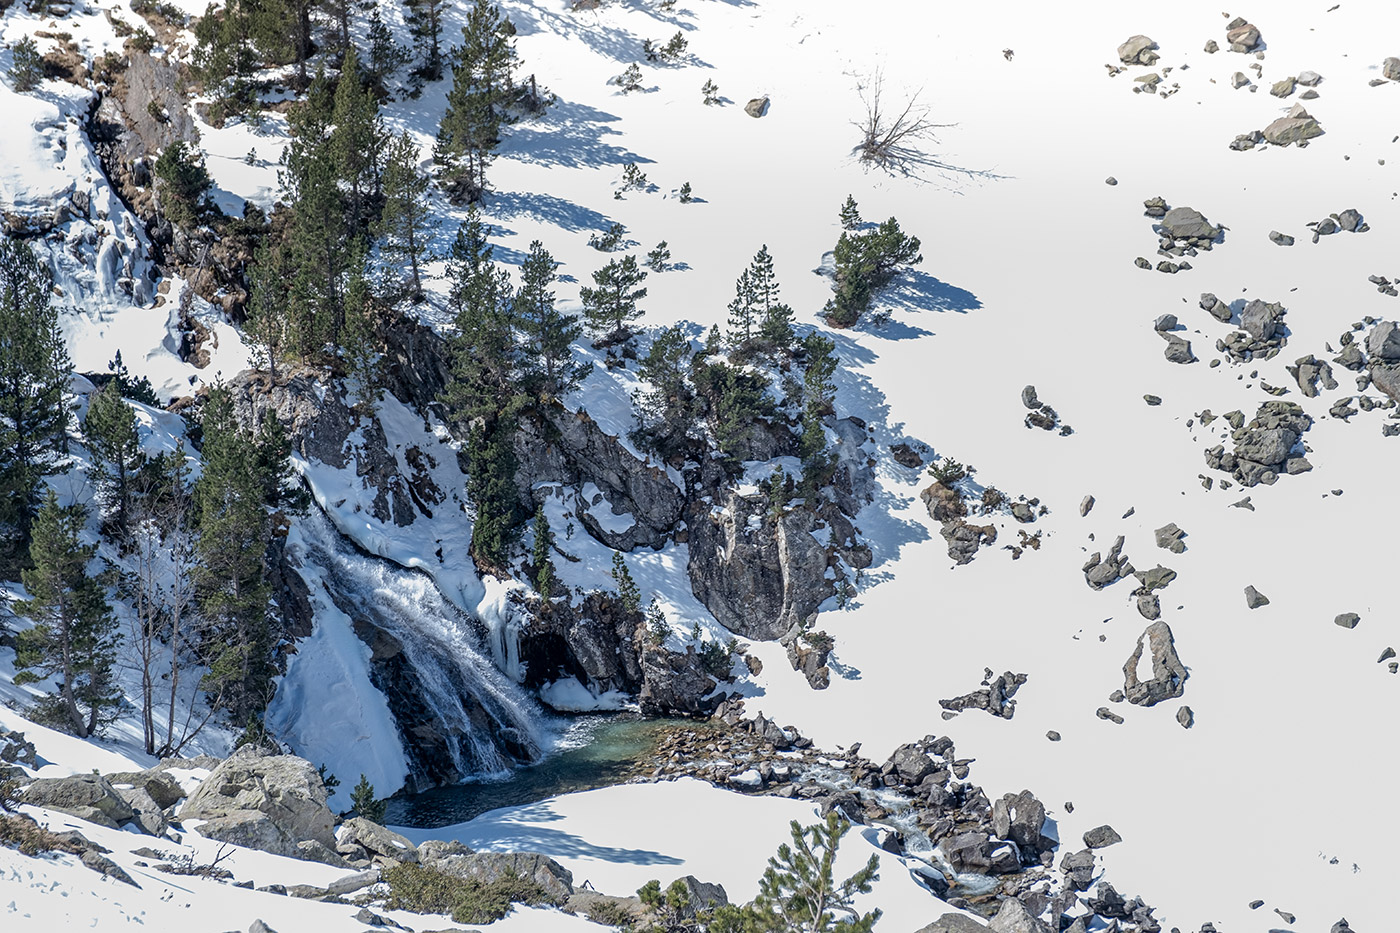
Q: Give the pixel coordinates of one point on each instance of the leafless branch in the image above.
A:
(896, 141)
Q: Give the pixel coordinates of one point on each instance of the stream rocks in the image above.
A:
(1169, 675)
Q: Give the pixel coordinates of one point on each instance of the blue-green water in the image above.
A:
(596, 751)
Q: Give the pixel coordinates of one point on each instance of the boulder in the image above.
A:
(1186, 717)
(86, 796)
(263, 801)
(1384, 342)
(1242, 38)
(1281, 239)
(1261, 319)
(376, 840)
(1169, 675)
(160, 786)
(1297, 126)
(1029, 399)
(1254, 599)
(149, 814)
(757, 107)
(1185, 223)
(1391, 68)
(1177, 350)
(1267, 447)
(1021, 818)
(944, 503)
(1078, 868)
(1284, 88)
(1013, 917)
(485, 867)
(954, 923)
(1138, 50)
(1101, 837)
(1347, 620)
(912, 765)
(1169, 536)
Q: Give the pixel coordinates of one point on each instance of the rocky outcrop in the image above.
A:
(676, 683)
(263, 801)
(383, 845)
(1169, 675)
(569, 448)
(15, 750)
(598, 642)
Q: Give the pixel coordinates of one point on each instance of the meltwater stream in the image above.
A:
(457, 714)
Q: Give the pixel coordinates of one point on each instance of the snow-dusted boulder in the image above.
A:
(86, 796)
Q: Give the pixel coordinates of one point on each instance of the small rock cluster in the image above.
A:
(995, 696)
(1178, 349)
(1042, 415)
(1138, 50)
(1262, 333)
(1349, 220)
(1267, 447)
(1100, 572)
(1296, 127)
(1241, 35)
(1183, 231)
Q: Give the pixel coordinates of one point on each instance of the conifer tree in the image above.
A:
(818, 391)
(491, 489)
(850, 214)
(539, 554)
(610, 305)
(242, 471)
(799, 892)
(763, 280)
(407, 221)
(26, 65)
(359, 344)
(385, 55)
(668, 411)
(116, 452)
(549, 332)
(482, 82)
(182, 180)
(268, 325)
(73, 637)
(743, 317)
(363, 801)
(357, 144)
(659, 259)
(34, 372)
(425, 24)
(627, 592)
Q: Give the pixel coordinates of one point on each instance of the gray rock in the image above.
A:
(1029, 399)
(1347, 620)
(149, 814)
(1165, 322)
(1391, 68)
(1110, 181)
(1169, 675)
(1103, 712)
(954, 923)
(15, 750)
(1169, 536)
(1309, 78)
(1238, 80)
(1021, 818)
(1243, 38)
(377, 840)
(1260, 319)
(556, 880)
(159, 785)
(1297, 126)
(1350, 220)
(1267, 447)
(1284, 88)
(1101, 837)
(257, 926)
(757, 107)
(1149, 606)
(1085, 505)
(1384, 342)
(1186, 717)
(1078, 868)
(1013, 917)
(1052, 735)
(349, 884)
(600, 907)
(912, 765)
(106, 867)
(1177, 350)
(1185, 223)
(1254, 599)
(85, 796)
(1281, 239)
(263, 801)
(1138, 50)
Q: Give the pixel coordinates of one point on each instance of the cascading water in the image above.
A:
(458, 715)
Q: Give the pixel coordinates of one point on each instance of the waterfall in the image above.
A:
(457, 714)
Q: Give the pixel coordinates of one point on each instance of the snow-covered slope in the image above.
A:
(1028, 277)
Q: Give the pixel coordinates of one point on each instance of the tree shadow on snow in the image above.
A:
(918, 291)
(570, 134)
(545, 208)
(604, 38)
(510, 835)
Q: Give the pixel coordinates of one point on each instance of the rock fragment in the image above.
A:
(1254, 599)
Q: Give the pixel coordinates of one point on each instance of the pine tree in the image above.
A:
(667, 412)
(359, 344)
(610, 306)
(482, 82)
(743, 316)
(491, 489)
(74, 631)
(818, 391)
(549, 332)
(34, 373)
(627, 592)
(116, 452)
(710, 92)
(407, 221)
(26, 65)
(182, 180)
(385, 56)
(763, 280)
(363, 801)
(539, 554)
(230, 504)
(357, 144)
(776, 334)
(850, 214)
(425, 24)
(268, 326)
(799, 892)
(659, 259)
